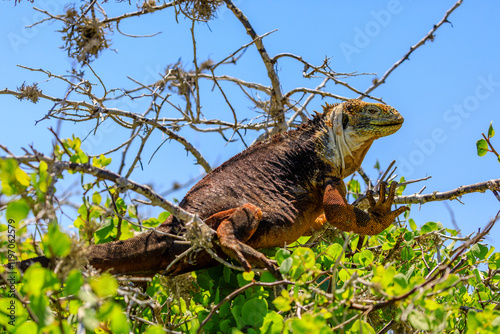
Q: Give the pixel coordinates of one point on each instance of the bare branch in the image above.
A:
(277, 95)
(428, 37)
(448, 195)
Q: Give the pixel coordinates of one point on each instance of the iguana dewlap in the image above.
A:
(271, 194)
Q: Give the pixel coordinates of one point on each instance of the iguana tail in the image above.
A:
(145, 254)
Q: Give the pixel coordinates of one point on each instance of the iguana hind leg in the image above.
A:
(236, 227)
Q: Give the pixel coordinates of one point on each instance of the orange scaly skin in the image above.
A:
(269, 195)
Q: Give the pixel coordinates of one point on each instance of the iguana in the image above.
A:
(269, 195)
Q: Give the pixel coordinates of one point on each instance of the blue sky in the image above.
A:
(448, 91)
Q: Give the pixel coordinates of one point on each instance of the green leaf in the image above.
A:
(27, 328)
(163, 216)
(248, 275)
(494, 261)
(479, 251)
(281, 255)
(37, 279)
(236, 311)
(273, 323)
(334, 251)
(413, 226)
(55, 242)
(156, 329)
(226, 272)
(354, 187)
(104, 285)
(40, 305)
(267, 277)
(305, 256)
(254, 311)
(22, 177)
(429, 227)
(106, 232)
(286, 265)
(82, 157)
(282, 303)
(118, 320)
(17, 210)
(96, 198)
(407, 253)
(204, 281)
(121, 206)
(344, 275)
(151, 222)
(104, 161)
(361, 326)
(400, 279)
(402, 188)
(482, 147)
(420, 321)
(491, 131)
(366, 257)
(74, 282)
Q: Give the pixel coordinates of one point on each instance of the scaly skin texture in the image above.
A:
(271, 194)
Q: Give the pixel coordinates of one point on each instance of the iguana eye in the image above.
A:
(372, 110)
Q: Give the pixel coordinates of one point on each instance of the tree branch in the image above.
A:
(278, 97)
(428, 37)
(448, 195)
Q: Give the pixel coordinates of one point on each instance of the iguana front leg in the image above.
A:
(351, 219)
(236, 227)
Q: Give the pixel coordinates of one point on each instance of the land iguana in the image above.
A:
(269, 195)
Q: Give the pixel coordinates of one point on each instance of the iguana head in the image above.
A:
(353, 126)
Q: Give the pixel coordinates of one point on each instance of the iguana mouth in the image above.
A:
(393, 123)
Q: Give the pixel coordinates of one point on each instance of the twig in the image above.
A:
(448, 195)
(492, 149)
(278, 96)
(428, 37)
(243, 47)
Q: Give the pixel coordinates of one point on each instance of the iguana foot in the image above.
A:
(380, 212)
(351, 219)
(235, 229)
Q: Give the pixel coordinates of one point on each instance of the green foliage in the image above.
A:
(484, 145)
(324, 289)
(55, 242)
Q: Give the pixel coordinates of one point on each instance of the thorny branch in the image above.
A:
(429, 37)
(450, 194)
